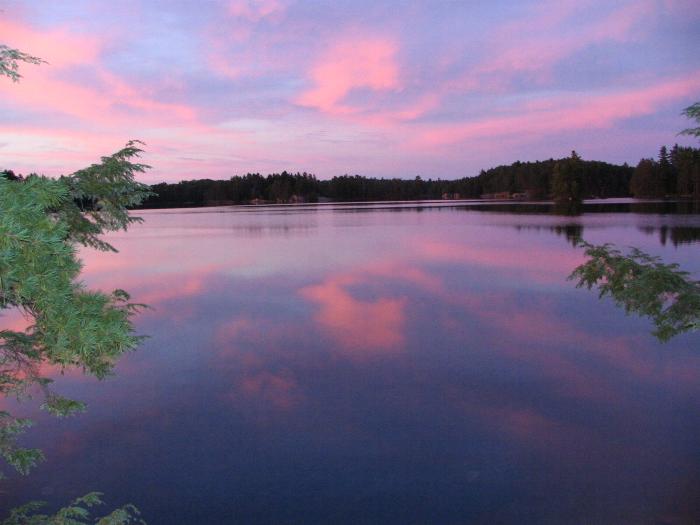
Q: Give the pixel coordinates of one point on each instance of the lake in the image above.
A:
(382, 363)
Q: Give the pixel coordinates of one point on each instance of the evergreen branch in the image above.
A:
(77, 513)
(10, 59)
(642, 284)
(692, 112)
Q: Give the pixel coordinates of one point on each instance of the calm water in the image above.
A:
(382, 364)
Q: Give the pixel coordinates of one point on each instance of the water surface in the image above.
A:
(383, 363)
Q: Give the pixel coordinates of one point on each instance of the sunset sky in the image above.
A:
(437, 89)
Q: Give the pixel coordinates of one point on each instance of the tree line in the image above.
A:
(674, 173)
(531, 180)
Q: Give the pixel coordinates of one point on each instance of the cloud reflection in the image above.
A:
(356, 324)
(440, 353)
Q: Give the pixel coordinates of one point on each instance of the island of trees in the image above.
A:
(674, 173)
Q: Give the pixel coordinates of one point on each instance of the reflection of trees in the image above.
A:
(681, 207)
(684, 235)
(572, 232)
(676, 234)
(643, 284)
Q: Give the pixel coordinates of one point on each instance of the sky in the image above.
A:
(377, 88)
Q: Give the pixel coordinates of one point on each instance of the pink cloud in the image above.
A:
(361, 84)
(222, 63)
(59, 47)
(256, 10)
(535, 44)
(390, 119)
(565, 113)
(351, 63)
(624, 24)
(532, 45)
(137, 97)
(110, 100)
(42, 148)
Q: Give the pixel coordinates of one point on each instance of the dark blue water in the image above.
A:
(381, 364)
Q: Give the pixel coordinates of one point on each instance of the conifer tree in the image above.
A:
(567, 179)
(667, 179)
(42, 222)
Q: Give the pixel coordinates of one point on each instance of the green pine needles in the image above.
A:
(42, 221)
(644, 285)
(692, 112)
(10, 59)
(77, 513)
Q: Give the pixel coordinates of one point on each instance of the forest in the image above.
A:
(673, 173)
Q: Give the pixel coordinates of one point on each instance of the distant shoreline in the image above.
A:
(610, 204)
(567, 180)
